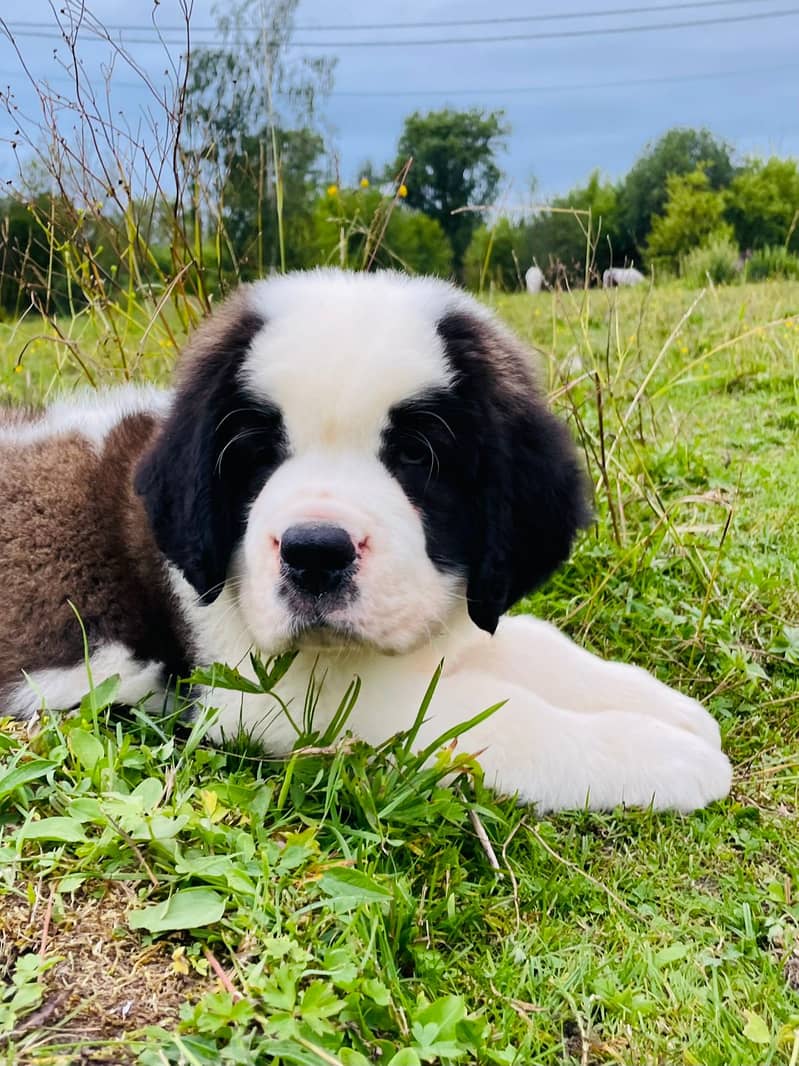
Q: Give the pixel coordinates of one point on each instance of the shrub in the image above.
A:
(773, 262)
(763, 204)
(498, 255)
(692, 216)
(717, 260)
(361, 228)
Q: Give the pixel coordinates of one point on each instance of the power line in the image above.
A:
(578, 86)
(514, 90)
(430, 23)
(602, 31)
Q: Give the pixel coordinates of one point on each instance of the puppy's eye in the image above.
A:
(413, 453)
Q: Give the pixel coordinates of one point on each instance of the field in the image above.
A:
(165, 902)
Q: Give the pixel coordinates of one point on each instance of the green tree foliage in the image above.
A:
(33, 237)
(692, 212)
(454, 166)
(250, 139)
(248, 210)
(363, 229)
(763, 204)
(644, 191)
(581, 231)
(498, 255)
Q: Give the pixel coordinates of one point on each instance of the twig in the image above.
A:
(37, 1019)
(400, 180)
(227, 984)
(136, 850)
(482, 836)
(583, 873)
(520, 1006)
(48, 913)
(511, 874)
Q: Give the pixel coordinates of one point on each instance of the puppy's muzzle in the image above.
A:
(317, 557)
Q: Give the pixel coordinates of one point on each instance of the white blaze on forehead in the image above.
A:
(339, 350)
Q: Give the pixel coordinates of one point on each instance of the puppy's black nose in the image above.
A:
(316, 556)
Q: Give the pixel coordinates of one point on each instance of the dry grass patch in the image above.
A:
(106, 982)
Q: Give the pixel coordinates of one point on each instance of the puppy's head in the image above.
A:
(355, 455)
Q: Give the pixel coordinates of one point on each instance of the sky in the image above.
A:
(573, 103)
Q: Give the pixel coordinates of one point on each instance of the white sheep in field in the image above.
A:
(621, 276)
(534, 279)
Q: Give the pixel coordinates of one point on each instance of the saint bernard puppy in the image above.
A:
(360, 467)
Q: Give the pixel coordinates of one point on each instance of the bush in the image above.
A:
(498, 255)
(773, 262)
(692, 218)
(717, 260)
(567, 239)
(360, 228)
(763, 204)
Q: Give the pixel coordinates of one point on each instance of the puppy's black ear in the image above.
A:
(531, 494)
(193, 484)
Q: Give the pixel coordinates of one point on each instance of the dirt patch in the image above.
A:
(106, 984)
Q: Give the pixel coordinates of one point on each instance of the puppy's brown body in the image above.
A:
(73, 533)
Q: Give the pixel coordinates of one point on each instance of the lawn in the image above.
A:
(165, 902)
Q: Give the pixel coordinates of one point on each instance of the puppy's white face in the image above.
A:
(355, 456)
(336, 370)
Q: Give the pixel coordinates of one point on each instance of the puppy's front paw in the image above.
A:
(687, 714)
(607, 760)
(673, 769)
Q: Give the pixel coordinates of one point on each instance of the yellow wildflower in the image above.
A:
(179, 962)
(18, 368)
(332, 190)
(364, 183)
(402, 191)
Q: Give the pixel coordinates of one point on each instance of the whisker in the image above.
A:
(443, 421)
(435, 466)
(238, 411)
(245, 434)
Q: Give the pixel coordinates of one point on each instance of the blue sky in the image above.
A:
(572, 103)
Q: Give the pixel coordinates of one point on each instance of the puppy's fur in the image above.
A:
(360, 467)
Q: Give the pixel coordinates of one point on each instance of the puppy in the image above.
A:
(359, 467)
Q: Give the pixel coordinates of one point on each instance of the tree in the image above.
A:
(248, 212)
(693, 212)
(581, 231)
(643, 192)
(763, 204)
(249, 138)
(454, 166)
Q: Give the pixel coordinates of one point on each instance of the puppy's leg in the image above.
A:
(537, 656)
(60, 688)
(560, 759)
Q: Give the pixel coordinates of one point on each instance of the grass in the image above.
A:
(166, 902)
